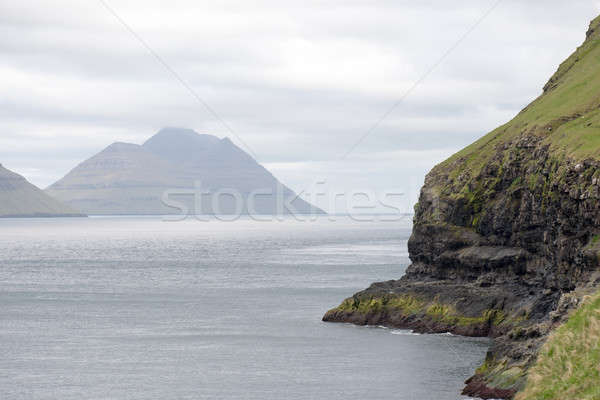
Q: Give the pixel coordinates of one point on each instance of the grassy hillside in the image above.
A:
(568, 366)
(566, 115)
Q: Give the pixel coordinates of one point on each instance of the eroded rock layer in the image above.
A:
(506, 236)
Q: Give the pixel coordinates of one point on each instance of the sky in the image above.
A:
(295, 84)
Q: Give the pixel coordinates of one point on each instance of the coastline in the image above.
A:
(506, 239)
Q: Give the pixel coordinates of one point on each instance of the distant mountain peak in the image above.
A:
(132, 179)
(226, 140)
(174, 131)
(177, 133)
(122, 146)
(180, 144)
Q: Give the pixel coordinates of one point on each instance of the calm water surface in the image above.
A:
(140, 308)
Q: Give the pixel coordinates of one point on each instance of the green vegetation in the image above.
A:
(566, 116)
(501, 377)
(568, 366)
(408, 305)
(536, 164)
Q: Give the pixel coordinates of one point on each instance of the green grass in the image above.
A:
(568, 366)
(566, 116)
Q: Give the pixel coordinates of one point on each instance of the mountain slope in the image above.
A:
(505, 236)
(19, 198)
(132, 179)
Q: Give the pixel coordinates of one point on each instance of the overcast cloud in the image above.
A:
(299, 82)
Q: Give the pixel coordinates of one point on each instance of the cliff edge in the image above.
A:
(506, 236)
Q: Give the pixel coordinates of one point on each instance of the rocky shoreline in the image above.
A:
(514, 286)
(506, 234)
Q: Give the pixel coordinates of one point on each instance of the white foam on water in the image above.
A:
(404, 332)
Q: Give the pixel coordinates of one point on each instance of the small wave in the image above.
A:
(404, 332)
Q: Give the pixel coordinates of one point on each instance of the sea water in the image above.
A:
(143, 308)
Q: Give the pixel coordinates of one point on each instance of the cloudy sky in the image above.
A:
(299, 83)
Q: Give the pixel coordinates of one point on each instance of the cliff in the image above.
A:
(506, 236)
(19, 198)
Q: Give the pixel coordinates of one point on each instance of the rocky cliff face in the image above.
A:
(506, 236)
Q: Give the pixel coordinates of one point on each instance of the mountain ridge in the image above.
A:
(127, 178)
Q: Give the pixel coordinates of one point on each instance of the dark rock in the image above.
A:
(512, 275)
(476, 386)
(506, 235)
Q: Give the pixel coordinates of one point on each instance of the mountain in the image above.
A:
(169, 168)
(19, 198)
(505, 240)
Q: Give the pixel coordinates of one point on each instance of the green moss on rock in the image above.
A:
(407, 305)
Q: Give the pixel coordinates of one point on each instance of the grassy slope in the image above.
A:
(567, 114)
(568, 366)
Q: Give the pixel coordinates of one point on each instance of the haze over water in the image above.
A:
(139, 308)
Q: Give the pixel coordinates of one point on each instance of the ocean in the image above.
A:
(143, 308)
